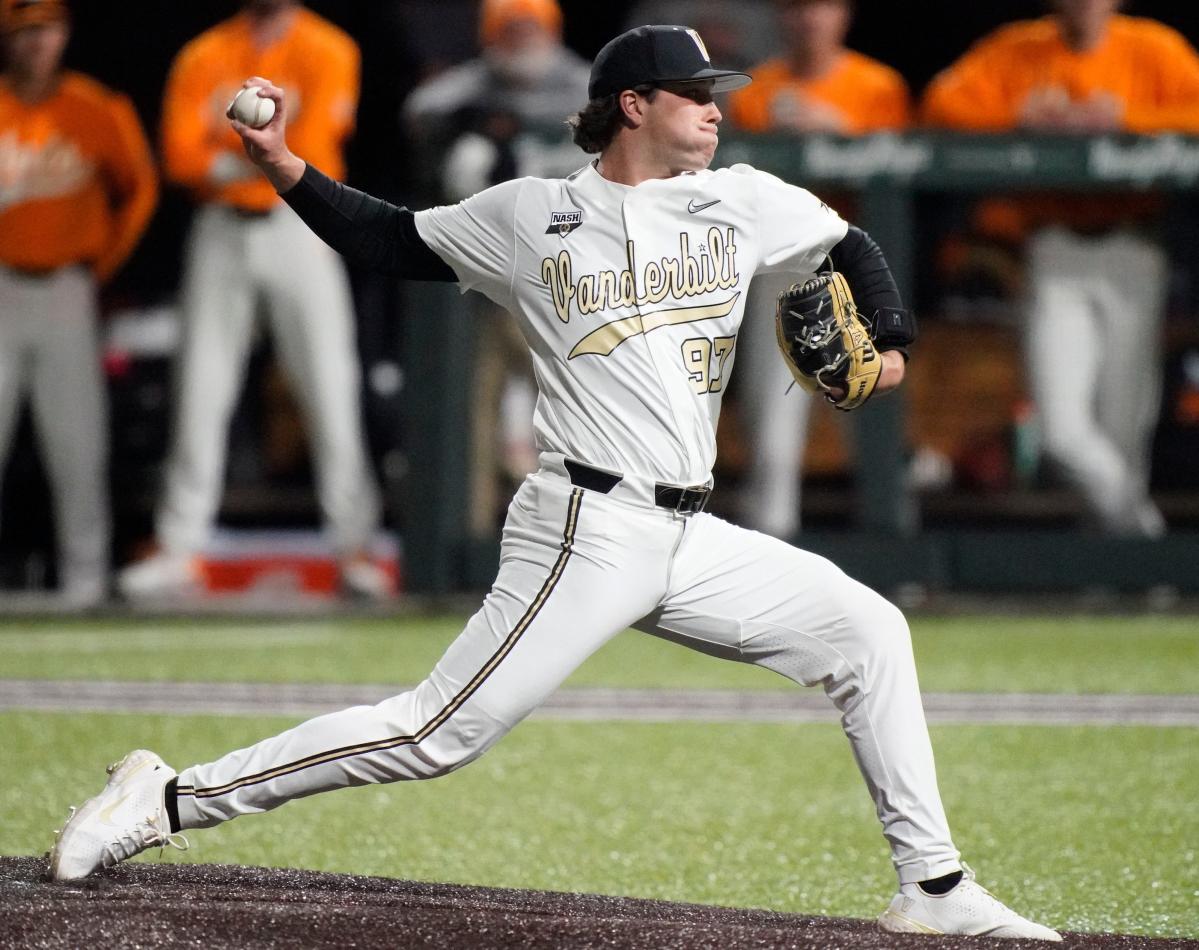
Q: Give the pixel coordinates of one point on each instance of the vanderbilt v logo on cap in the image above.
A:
(649, 55)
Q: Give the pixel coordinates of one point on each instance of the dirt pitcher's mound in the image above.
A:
(214, 906)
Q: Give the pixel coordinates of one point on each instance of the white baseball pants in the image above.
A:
(576, 568)
(50, 349)
(233, 264)
(1094, 359)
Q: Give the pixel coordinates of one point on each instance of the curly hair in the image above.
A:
(596, 124)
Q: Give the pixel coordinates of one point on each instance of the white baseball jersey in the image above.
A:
(631, 363)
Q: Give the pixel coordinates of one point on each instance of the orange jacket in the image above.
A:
(871, 96)
(314, 62)
(1149, 67)
(77, 178)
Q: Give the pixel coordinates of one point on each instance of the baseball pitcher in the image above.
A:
(629, 281)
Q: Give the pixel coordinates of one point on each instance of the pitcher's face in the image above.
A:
(680, 125)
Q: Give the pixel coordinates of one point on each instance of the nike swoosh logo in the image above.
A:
(106, 815)
(695, 209)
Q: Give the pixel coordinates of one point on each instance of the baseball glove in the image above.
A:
(825, 341)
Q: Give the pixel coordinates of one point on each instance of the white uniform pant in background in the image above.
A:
(501, 429)
(49, 349)
(234, 264)
(577, 567)
(1094, 361)
(775, 413)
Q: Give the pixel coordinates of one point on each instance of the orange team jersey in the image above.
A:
(871, 96)
(315, 63)
(1148, 67)
(77, 178)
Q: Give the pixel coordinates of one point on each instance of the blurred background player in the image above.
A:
(499, 116)
(77, 189)
(815, 85)
(523, 72)
(1096, 276)
(247, 251)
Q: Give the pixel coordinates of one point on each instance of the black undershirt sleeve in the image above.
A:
(861, 260)
(370, 233)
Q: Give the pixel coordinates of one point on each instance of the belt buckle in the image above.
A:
(692, 500)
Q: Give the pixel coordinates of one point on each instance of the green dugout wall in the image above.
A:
(885, 547)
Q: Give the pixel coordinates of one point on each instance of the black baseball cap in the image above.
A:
(649, 55)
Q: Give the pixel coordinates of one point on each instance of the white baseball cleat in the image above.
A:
(83, 593)
(163, 574)
(967, 909)
(363, 579)
(127, 817)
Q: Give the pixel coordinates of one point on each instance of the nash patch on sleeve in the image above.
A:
(563, 222)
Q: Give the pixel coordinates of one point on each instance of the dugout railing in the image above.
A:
(885, 545)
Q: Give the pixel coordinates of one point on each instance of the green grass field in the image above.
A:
(1087, 828)
(1144, 654)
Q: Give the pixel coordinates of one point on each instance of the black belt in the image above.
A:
(682, 500)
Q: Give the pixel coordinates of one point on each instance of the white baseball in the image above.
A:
(250, 109)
